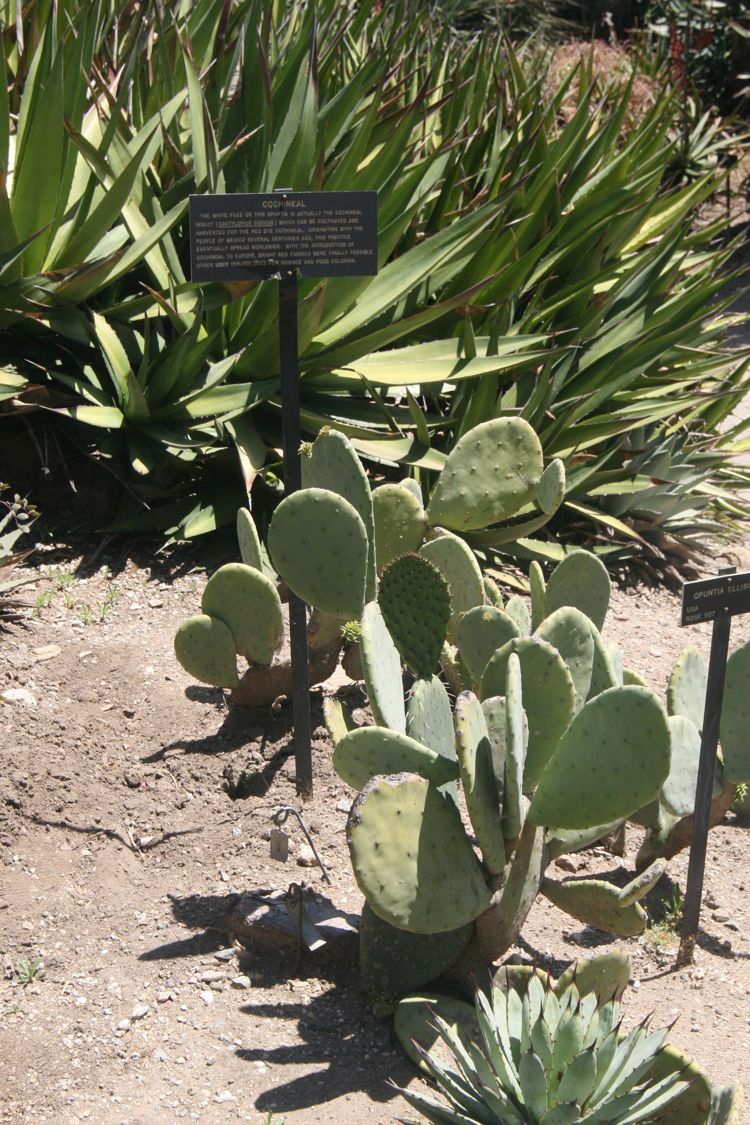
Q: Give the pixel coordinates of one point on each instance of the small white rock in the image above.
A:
(225, 1096)
(306, 857)
(211, 975)
(18, 695)
(207, 997)
(224, 954)
(140, 1011)
(123, 1025)
(242, 982)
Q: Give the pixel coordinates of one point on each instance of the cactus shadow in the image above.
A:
(334, 1037)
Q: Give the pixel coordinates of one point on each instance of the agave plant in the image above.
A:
(545, 1056)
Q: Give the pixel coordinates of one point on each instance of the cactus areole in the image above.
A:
(278, 235)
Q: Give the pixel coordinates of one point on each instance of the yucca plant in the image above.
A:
(543, 1058)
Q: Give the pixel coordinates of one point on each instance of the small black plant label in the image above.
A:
(727, 595)
(279, 845)
(255, 235)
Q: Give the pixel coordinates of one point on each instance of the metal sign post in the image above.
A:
(278, 236)
(718, 600)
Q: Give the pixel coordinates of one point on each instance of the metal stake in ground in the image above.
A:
(289, 360)
(717, 665)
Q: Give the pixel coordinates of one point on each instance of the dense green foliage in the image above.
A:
(535, 259)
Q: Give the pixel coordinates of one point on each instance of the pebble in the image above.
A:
(225, 1096)
(211, 975)
(306, 857)
(18, 695)
(162, 997)
(720, 916)
(242, 982)
(343, 806)
(140, 1011)
(207, 997)
(123, 1025)
(47, 652)
(224, 954)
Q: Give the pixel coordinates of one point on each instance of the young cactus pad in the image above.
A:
(612, 760)
(686, 690)
(416, 608)
(569, 631)
(491, 472)
(204, 647)
(481, 631)
(459, 567)
(597, 904)
(248, 540)
(249, 605)
(580, 580)
(735, 717)
(318, 544)
(400, 522)
(411, 858)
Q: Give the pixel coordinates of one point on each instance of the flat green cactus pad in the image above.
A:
(569, 631)
(411, 858)
(499, 927)
(550, 488)
(686, 690)
(337, 718)
(429, 717)
(333, 464)
(516, 745)
(644, 882)
(735, 717)
(392, 962)
(382, 668)
(490, 473)
(478, 780)
(249, 605)
(678, 791)
(367, 751)
(613, 759)
(693, 1105)
(459, 567)
(416, 608)
(318, 544)
(580, 580)
(481, 631)
(248, 540)
(400, 522)
(548, 697)
(597, 904)
(537, 590)
(414, 1025)
(518, 611)
(605, 976)
(204, 647)
(603, 671)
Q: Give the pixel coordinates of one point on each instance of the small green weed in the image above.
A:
(269, 1119)
(86, 614)
(665, 931)
(109, 603)
(43, 601)
(28, 971)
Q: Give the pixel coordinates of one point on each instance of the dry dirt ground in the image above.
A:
(123, 998)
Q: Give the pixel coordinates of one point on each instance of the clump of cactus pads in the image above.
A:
(544, 1057)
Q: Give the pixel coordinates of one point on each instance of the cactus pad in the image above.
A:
(550, 488)
(548, 697)
(337, 718)
(580, 580)
(411, 858)
(603, 671)
(429, 718)
(400, 522)
(492, 593)
(481, 631)
(499, 927)
(367, 751)
(644, 882)
(334, 465)
(494, 716)
(478, 780)
(490, 473)
(382, 667)
(735, 717)
(678, 791)
(537, 590)
(460, 569)
(414, 1026)
(518, 611)
(416, 608)
(248, 540)
(249, 605)
(392, 962)
(605, 976)
(204, 647)
(516, 736)
(569, 631)
(597, 904)
(612, 760)
(686, 690)
(318, 544)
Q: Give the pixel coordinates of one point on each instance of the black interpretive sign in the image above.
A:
(709, 598)
(252, 236)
